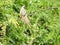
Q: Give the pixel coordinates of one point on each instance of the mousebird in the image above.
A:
(24, 17)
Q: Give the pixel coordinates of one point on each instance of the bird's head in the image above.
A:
(23, 6)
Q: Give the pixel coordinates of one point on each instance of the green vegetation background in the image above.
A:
(44, 16)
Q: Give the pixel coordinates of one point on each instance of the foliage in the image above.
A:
(44, 15)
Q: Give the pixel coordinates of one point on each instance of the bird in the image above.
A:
(24, 16)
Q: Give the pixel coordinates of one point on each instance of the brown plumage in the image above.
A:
(24, 16)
